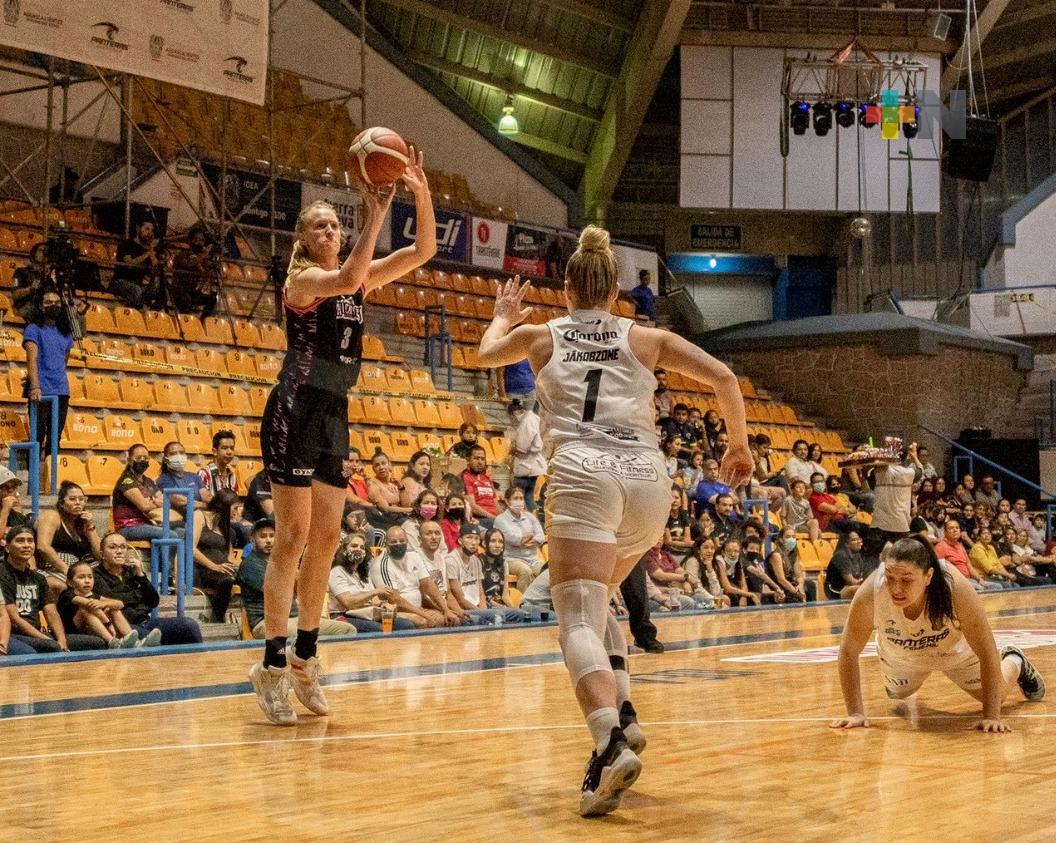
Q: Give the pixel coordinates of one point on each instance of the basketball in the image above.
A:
(378, 156)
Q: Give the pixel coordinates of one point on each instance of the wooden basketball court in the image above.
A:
(475, 736)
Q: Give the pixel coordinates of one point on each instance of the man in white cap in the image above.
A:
(11, 514)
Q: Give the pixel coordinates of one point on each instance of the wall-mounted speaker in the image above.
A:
(972, 157)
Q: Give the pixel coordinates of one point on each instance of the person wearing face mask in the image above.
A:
(787, 571)
(353, 598)
(454, 517)
(426, 507)
(136, 500)
(829, 513)
(732, 577)
(416, 596)
(175, 476)
(524, 537)
(48, 340)
(250, 578)
(496, 573)
(467, 441)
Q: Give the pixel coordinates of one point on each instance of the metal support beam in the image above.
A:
(596, 14)
(507, 85)
(549, 147)
(1032, 50)
(973, 43)
(481, 27)
(1026, 15)
(806, 41)
(655, 37)
(1005, 93)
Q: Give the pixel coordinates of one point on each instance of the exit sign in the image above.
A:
(715, 238)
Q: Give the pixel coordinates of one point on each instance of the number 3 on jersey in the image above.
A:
(590, 405)
(346, 339)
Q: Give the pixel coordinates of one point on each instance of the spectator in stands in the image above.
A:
(671, 449)
(799, 466)
(677, 425)
(1020, 519)
(927, 470)
(65, 534)
(762, 485)
(26, 596)
(496, 574)
(518, 383)
(933, 516)
(481, 491)
(722, 445)
(942, 493)
(435, 556)
(384, 493)
(120, 576)
(524, 537)
(425, 508)
(12, 513)
(258, 498)
(678, 537)
(926, 492)
(456, 513)
(217, 556)
(785, 569)
(829, 513)
(1030, 567)
(796, 511)
(847, 569)
(759, 580)
(82, 610)
(353, 597)
(725, 518)
(987, 492)
(526, 448)
(644, 298)
(953, 551)
(356, 495)
(465, 579)
(764, 472)
(136, 500)
(710, 488)
(987, 564)
(537, 598)
(894, 503)
(673, 582)
(250, 577)
(48, 340)
(174, 475)
(417, 478)
(195, 274)
(966, 518)
(467, 441)
(417, 598)
(663, 398)
(731, 574)
(965, 491)
(700, 565)
(713, 426)
(218, 473)
(12, 646)
(30, 281)
(692, 474)
(137, 262)
(815, 455)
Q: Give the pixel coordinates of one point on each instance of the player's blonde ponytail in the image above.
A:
(299, 257)
(592, 272)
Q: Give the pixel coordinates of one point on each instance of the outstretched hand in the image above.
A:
(992, 725)
(737, 466)
(414, 173)
(508, 302)
(851, 721)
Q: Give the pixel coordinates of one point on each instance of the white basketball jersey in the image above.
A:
(913, 643)
(593, 390)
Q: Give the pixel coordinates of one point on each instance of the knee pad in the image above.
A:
(614, 640)
(582, 607)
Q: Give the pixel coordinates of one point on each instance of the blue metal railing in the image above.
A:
(160, 549)
(32, 447)
(437, 343)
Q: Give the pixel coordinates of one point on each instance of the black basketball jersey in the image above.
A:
(324, 344)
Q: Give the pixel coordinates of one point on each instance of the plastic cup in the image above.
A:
(388, 616)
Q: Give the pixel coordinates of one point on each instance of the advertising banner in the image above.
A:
(347, 204)
(489, 243)
(452, 231)
(218, 46)
(242, 186)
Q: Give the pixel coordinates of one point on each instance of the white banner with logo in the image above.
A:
(217, 46)
(489, 243)
(348, 205)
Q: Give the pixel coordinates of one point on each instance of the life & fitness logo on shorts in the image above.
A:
(107, 34)
(628, 466)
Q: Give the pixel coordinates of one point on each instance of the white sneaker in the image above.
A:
(272, 685)
(153, 639)
(306, 674)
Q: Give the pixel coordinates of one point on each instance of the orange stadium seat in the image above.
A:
(218, 330)
(28, 239)
(355, 410)
(374, 439)
(82, 431)
(355, 440)
(99, 320)
(156, 433)
(194, 436)
(251, 433)
(247, 469)
(11, 346)
(8, 240)
(160, 325)
(247, 334)
(267, 365)
(234, 400)
(120, 432)
(103, 471)
(808, 555)
(14, 427)
(190, 328)
(171, 397)
(258, 398)
(376, 410)
(410, 325)
(450, 415)
(420, 381)
(203, 398)
(373, 377)
(7, 272)
(397, 380)
(180, 355)
(426, 413)
(129, 322)
(147, 355)
(70, 468)
(499, 448)
(404, 445)
(240, 363)
(210, 360)
(102, 391)
(373, 348)
(401, 411)
(137, 393)
(8, 312)
(11, 387)
(272, 336)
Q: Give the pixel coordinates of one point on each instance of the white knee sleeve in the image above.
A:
(615, 643)
(582, 607)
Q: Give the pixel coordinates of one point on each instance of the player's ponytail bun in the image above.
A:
(917, 551)
(592, 272)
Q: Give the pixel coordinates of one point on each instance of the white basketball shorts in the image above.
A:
(608, 496)
(901, 681)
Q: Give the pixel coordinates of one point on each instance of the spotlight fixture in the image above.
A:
(822, 118)
(799, 116)
(869, 114)
(845, 114)
(909, 116)
(508, 124)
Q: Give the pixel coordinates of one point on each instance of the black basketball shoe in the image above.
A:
(1030, 681)
(608, 776)
(631, 730)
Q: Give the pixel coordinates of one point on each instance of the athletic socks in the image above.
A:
(623, 679)
(601, 722)
(275, 652)
(305, 645)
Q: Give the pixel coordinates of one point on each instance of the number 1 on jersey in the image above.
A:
(593, 382)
